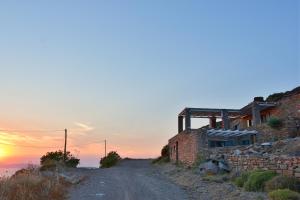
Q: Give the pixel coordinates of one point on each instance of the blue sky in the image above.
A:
(126, 68)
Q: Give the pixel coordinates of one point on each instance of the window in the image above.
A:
(236, 127)
(229, 143)
(249, 123)
(245, 142)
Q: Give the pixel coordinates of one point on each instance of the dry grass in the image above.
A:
(30, 185)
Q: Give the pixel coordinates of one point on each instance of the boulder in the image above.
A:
(209, 167)
(214, 167)
(71, 179)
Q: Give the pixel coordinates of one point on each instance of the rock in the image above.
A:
(237, 152)
(209, 167)
(297, 170)
(266, 144)
(223, 166)
(71, 179)
(214, 167)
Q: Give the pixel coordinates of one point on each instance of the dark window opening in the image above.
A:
(245, 142)
(249, 122)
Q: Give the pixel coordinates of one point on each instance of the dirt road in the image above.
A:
(131, 180)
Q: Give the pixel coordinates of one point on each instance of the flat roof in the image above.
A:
(208, 112)
(247, 110)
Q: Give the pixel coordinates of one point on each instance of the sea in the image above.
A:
(7, 172)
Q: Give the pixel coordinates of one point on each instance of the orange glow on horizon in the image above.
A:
(19, 146)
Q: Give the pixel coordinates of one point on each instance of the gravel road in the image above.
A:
(130, 180)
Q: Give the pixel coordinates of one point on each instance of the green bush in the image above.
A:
(165, 151)
(241, 180)
(110, 160)
(275, 123)
(275, 97)
(257, 179)
(50, 160)
(165, 156)
(284, 194)
(283, 182)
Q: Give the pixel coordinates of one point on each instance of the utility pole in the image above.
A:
(105, 148)
(65, 149)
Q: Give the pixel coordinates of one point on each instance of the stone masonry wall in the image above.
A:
(289, 166)
(245, 158)
(187, 147)
(288, 111)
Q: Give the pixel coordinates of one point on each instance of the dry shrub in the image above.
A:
(284, 194)
(31, 187)
(283, 182)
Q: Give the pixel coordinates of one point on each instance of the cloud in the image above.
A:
(11, 136)
(18, 139)
(84, 127)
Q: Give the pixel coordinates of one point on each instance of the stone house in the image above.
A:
(243, 126)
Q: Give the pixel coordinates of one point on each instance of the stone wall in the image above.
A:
(245, 158)
(286, 165)
(288, 111)
(187, 147)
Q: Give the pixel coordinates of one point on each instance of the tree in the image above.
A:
(52, 158)
(165, 151)
(110, 160)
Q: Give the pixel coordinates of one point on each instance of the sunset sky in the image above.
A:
(123, 70)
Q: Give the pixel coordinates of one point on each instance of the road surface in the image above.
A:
(130, 180)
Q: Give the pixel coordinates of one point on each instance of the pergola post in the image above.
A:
(256, 118)
(180, 124)
(225, 119)
(212, 122)
(187, 120)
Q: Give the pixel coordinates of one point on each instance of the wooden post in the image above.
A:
(65, 149)
(105, 148)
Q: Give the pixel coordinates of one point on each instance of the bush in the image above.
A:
(51, 159)
(110, 160)
(284, 194)
(275, 97)
(283, 182)
(165, 156)
(165, 151)
(240, 181)
(257, 179)
(275, 123)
